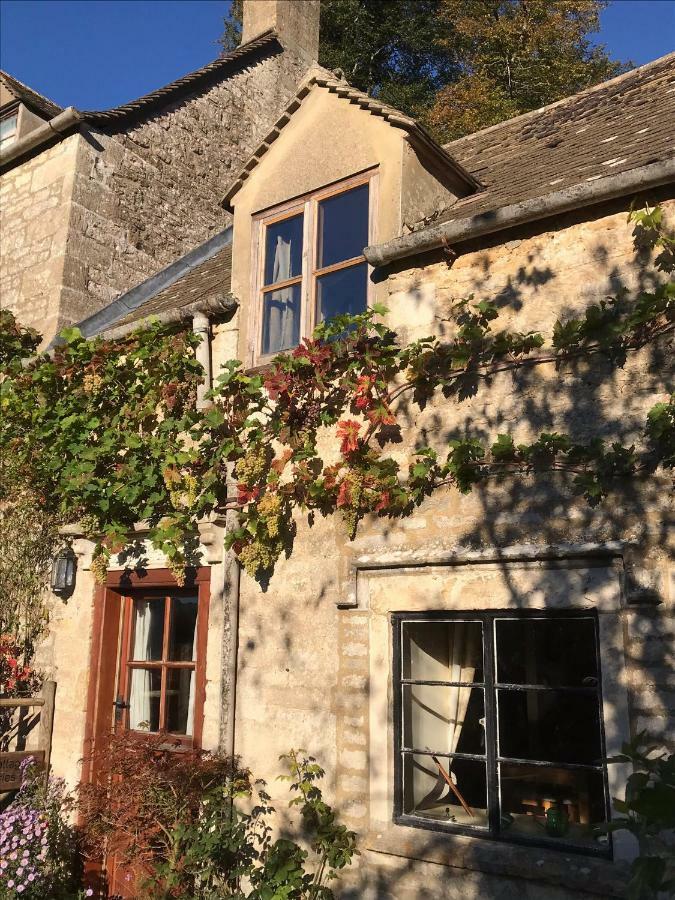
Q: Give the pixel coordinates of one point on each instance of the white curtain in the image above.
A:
(462, 651)
(189, 728)
(139, 693)
(282, 314)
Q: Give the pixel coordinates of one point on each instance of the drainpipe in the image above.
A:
(202, 328)
(230, 640)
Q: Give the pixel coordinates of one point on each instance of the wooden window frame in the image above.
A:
(491, 757)
(164, 665)
(307, 205)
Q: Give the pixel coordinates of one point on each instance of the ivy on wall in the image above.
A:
(107, 433)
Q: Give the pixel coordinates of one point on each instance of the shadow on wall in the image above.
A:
(600, 397)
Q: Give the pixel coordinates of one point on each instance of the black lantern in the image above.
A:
(63, 572)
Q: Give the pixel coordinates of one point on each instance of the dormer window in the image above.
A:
(8, 129)
(311, 265)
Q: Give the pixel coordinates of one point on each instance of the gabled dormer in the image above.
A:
(338, 171)
(21, 110)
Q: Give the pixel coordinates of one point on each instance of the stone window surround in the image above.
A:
(307, 204)
(481, 854)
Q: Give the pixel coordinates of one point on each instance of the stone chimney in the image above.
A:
(296, 23)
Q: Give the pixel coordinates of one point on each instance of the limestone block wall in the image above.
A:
(310, 672)
(35, 206)
(96, 214)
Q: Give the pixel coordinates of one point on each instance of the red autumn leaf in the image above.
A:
(348, 432)
(383, 502)
(344, 494)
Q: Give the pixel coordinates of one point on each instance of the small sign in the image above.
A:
(10, 767)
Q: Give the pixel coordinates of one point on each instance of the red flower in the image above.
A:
(348, 432)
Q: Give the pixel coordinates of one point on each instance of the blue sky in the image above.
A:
(94, 54)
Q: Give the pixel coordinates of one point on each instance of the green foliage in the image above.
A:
(648, 812)
(109, 434)
(202, 829)
(515, 56)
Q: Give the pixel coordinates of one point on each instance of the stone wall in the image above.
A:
(35, 203)
(310, 673)
(136, 197)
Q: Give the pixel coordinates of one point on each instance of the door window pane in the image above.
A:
(443, 651)
(549, 725)
(343, 226)
(426, 791)
(183, 631)
(180, 700)
(554, 652)
(342, 292)
(443, 719)
(148, 630)
(283, 250)
(145, 688)
(281, 319)
(542, 801)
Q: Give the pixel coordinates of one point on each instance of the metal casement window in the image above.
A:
(498, 726)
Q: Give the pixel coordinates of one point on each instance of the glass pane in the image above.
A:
(342, 292)
(148, 629)
(556, 803)
(426, 791)
(281, 319)
(145, 687)
(180, 700)
(556, 652)
(443, 651)
(343, 226)
(549, 725)
(444, 719)
(8, 129)
(183, 631)
(283, 250)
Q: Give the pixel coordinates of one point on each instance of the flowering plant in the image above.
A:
(38, 849)
(15, 677)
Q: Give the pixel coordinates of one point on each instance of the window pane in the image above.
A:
(148, 629)
(283, 250)
(444, 719)
(343, 226)
(183, 632)
(443, 651)
(426, 792)
(144, 693)
(557, 652)
(180, 700)
(549, 725)
(8, 129)
(342, 292)
(281, 319)
(528, 792)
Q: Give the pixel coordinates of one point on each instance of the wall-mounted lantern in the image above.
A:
(63, 572)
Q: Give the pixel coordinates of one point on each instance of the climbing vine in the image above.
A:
(108, 433)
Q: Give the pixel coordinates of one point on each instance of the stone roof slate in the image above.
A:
(619, 125)
(207, 281)
(31, 98)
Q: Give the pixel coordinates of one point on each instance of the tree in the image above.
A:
(517, 55)
(459, 64)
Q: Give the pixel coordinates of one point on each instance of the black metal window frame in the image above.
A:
(490, 685)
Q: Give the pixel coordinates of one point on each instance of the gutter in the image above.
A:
(576, 197)
(58, 126)
(200, 311)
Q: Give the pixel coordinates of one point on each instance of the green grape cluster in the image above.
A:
(99, 567)
(270, 509)
(253, 465)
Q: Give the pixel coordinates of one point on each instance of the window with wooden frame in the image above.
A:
(499, 728)
(310, 264)
(8, 129)
(162, 663)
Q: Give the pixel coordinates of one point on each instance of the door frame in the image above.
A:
(107, 642)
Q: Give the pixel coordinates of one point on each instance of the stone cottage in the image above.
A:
(457, 671)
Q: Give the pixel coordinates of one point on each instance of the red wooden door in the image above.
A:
(147, 673)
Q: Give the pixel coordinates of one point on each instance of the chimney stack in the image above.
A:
(296, 23)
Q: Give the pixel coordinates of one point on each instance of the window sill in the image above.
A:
(586, 874)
